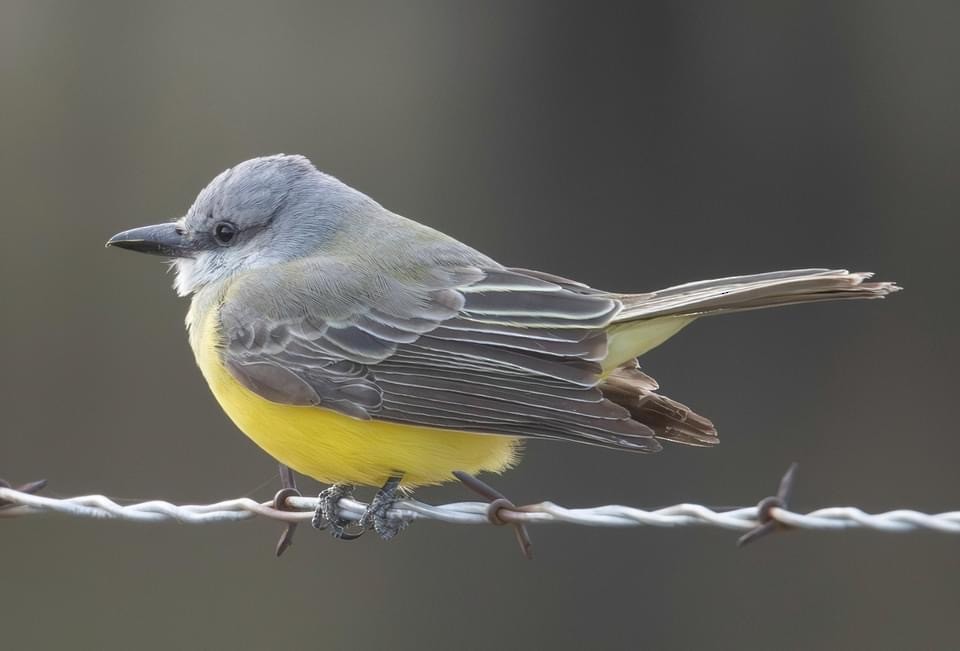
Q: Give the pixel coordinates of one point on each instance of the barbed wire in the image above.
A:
(769, 515)
(679, 515)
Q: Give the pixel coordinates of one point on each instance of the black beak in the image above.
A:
(162, 239)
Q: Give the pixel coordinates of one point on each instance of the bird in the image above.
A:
(361, 348)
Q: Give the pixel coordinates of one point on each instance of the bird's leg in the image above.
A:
(327, 516)
(377, 517)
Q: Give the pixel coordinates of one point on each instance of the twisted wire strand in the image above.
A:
(20, 504)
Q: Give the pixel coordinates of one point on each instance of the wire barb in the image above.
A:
(498, 504)
(765, 509)
(30, 488)
(288, 488)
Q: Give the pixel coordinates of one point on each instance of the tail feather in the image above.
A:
(739, 293)
(647, 320)
(670, 420)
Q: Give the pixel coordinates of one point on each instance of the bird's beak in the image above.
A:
(162, 239)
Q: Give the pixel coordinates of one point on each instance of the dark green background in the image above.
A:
(630, 146)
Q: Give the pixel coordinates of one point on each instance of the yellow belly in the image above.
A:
(333, 448)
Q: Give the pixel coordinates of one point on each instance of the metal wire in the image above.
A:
(20, 504)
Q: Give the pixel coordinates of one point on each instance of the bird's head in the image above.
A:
(262, 212)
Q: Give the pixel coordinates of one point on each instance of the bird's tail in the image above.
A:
(740, 293)
(647, 320)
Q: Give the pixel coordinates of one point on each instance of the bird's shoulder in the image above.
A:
(340, 287)
(363, 305)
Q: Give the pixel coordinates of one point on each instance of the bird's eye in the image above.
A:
(224, 232)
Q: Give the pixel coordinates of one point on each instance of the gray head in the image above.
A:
(261, 212)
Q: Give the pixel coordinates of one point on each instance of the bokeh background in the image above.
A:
(628, 145)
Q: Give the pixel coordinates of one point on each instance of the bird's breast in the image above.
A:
(334, 448)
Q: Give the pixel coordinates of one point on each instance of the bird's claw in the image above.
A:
(327, 515)
(377, 514)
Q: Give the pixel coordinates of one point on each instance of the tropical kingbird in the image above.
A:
(359, 347)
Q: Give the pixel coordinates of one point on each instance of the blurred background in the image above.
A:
(627, 145)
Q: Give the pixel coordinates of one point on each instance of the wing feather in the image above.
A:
(493, 351)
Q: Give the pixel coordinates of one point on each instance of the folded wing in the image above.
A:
(493, 351)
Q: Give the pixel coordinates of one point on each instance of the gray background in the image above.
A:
(629, 146)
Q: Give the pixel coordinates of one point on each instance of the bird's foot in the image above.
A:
(377, 514)
(327, 515)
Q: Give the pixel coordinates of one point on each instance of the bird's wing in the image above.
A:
(494, 350)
